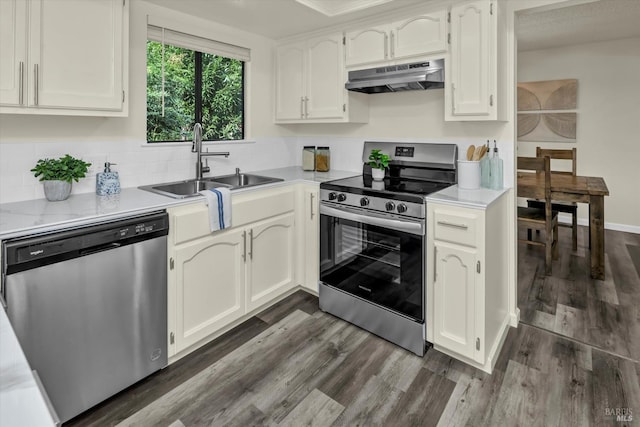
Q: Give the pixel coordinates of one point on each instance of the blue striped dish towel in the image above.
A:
(219, 202)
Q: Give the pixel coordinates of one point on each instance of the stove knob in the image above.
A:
(332, 196)
(364, 202)
(342, 197)
(390, 206)
(402, 208)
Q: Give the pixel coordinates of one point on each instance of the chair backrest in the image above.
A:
(561, 155)
(539, 165)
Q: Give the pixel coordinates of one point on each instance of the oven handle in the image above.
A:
(406, 226)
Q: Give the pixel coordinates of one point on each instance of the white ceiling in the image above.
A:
(585, 23)
(275, 19)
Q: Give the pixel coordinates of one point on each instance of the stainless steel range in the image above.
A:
(373, 243)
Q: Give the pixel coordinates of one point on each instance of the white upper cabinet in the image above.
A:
(421, 35)
(367, 46)
(473, 83)
(290, 82)
(13, 51)
(77, 57)
(310, 78)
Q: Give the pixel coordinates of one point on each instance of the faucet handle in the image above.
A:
(237, 171)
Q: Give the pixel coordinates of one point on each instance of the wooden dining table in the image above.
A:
(581, 189)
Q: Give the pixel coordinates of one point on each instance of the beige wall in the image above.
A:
(608, 128)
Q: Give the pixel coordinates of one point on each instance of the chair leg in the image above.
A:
(548, 256)
(574, 229)
(555, 240)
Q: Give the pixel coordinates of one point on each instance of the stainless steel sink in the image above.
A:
(190, 188)
(244, 180)
(182, 189)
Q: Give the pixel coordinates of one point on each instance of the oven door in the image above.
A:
(375, 257)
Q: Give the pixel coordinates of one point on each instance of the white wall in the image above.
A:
(608, 127)
(26, 138)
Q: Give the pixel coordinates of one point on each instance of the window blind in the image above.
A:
(196, 43)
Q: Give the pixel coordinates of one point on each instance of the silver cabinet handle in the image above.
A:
(453, 97)
(306, 107)
(35, 84)
(386, 46)
(453, 224)
(393, 49)
(311, 198)
(244, 246)
(302, 107)
(21, 83)
(251, 244)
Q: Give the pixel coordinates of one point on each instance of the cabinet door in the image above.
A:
(210, 277)
(310, 232)
(290, 82)
(471, 56)
(454, 296)
(326, 78)
(13, 50)
(271, 259)
(75, 54)
(420, 35)
(367, 46)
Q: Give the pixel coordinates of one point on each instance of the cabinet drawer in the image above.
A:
(192, 221)
(456, 227)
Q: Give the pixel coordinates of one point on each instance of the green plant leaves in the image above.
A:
(66, 168)
(378, 160)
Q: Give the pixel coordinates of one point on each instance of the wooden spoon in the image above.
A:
(476, 154)
(470, 151)
(483, 151)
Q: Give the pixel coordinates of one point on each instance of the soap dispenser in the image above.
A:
(495, 163)
(107, 182)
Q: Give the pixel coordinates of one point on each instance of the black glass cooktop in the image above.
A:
(392, 188)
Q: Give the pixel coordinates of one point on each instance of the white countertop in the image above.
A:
(40, 216)
(480, 198)
(21, 403)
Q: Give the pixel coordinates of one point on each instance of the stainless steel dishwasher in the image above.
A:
(89, 307)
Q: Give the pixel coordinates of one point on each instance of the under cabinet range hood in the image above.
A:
(395, 78)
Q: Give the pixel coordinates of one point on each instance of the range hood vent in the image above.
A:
(395, 78)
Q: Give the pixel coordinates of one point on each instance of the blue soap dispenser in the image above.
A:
(107, 182)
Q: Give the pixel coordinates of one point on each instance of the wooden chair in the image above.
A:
(564, 207)
(540, 219)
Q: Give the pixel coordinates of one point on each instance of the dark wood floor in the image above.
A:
(601, 313)
(294, 365)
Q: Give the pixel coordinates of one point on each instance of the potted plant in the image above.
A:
(378, 162)
(57, 175)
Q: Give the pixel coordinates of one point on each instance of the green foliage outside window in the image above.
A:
(222, 98)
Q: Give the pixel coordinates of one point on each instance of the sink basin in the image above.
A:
(190, 188)
(244, 180)
(183, 189)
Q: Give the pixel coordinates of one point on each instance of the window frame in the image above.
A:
(196, 43)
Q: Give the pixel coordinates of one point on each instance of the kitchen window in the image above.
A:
(192, 80)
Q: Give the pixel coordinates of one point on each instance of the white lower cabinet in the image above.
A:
(216, 279)
(467, 283)
(210, 274)
(270, 259)
(308, 215)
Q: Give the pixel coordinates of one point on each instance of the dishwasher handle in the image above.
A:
(102, 248)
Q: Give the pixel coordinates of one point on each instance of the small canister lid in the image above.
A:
(323, 148)
(310, 146)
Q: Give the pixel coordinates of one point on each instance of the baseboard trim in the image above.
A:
(635, 229)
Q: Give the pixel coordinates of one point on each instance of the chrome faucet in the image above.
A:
(196, 147)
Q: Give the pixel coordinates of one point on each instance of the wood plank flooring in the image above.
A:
(294, 365)
(602, 313)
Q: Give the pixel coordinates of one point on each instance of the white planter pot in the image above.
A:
(377, 174)
(56, 191)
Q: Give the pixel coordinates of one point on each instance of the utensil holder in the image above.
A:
(468, 174)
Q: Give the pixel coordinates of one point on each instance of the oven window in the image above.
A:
(374, 263)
